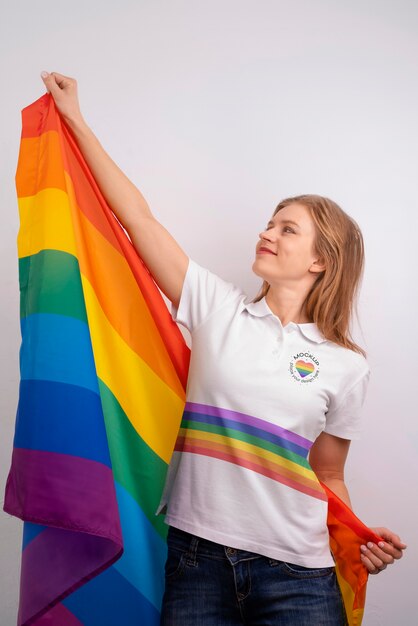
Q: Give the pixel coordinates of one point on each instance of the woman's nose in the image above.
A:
(266, 234)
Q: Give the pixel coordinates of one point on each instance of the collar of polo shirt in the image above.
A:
(261, 309)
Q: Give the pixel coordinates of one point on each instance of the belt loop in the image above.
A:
(191, 552)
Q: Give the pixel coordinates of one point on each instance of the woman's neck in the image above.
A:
(287, 311)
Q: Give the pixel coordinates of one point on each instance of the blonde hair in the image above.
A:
(333, 296)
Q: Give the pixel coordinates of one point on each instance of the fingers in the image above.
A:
(59, 77)
(50, 83)
(390, 549)
(395, 540)
(377, 557)
(61, 80)
(64, 93)
(56, 82)
(46, 79)
(372, 564)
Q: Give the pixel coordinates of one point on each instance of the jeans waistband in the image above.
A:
(193, 545)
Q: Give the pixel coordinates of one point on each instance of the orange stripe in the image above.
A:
(113, 284)
(254, 467)
(28, 179)
(347, 533)
(259, 464)
(346, 550)
(346, 516)
(240, 452)
(94, 207)
(62, 165)
(63, 153)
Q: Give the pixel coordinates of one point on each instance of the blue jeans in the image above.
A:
(208, 584)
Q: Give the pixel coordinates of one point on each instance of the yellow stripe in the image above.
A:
(45, 223)
(152, 407)
(355, 616)
(248, 447)
(51, 222)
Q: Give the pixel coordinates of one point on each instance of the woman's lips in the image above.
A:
(265, 252)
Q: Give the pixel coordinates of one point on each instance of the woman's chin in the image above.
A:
(256, 270)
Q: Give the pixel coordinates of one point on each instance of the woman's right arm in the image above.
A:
(161, 253)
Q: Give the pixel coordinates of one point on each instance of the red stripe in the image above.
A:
(254, 467)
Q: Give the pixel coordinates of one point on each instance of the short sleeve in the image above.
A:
(202, 294)
(344, 420)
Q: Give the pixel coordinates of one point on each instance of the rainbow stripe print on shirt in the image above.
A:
(250, 442)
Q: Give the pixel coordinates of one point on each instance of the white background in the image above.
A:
(216, 111)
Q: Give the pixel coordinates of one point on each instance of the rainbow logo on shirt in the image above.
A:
(304, 368)
(250, 442)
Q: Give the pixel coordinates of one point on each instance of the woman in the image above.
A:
(268, 386)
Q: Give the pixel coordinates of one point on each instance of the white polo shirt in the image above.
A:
(258, 395)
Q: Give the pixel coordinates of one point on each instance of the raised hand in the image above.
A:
(64, 91)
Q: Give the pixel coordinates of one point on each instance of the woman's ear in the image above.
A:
(318, 266)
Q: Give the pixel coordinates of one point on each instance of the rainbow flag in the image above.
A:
(103, 376)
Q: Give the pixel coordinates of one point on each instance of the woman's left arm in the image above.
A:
(327, 458)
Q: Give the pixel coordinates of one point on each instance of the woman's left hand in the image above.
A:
(377, 557)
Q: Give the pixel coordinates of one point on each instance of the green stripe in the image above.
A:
(135, 465)
(50, 282)
(256, 441)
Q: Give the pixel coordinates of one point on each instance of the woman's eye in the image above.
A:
(286, 227)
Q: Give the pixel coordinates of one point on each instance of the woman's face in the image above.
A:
(290, 236)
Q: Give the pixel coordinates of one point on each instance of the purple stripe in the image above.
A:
(251, 420)
(64, 491)
(55, 564)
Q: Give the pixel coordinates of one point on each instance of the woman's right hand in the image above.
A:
(64, 91)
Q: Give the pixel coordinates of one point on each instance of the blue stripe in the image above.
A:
(109, 600)
(57, 347)
(57, 417)
(30, 531)
(145, 552)
(246, 428)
